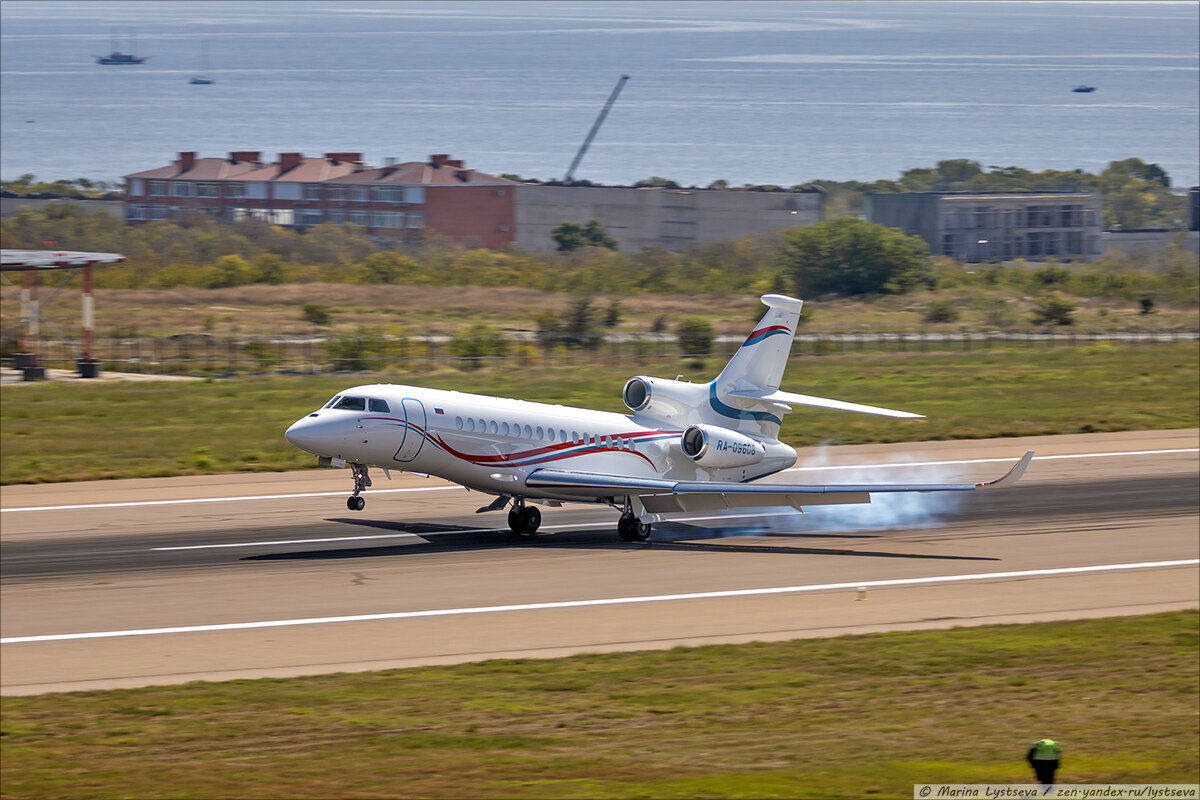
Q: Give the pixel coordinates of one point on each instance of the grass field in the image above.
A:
(76, 431)
(854, 716)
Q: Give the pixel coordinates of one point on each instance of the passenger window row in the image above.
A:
(537, 433)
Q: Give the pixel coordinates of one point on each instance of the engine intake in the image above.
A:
(711, 446)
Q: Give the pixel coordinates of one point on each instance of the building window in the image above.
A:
(387, 194)
(285, 191)
(182, 188)
(335, 192)
(336, 216)
(358, 194)
(359, 218)
(312, 216)
(158, 212)
(235, 190)
(1075, 243)
(387, 219)
(414, 194)
(283, 216)
(157, 188)
(416, 219)
(208, 190)
(137, 212)
(137, 186)
(256, 190)
(312, 191)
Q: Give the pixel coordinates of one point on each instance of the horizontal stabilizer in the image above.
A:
(820, 402)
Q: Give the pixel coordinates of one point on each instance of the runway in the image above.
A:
(139, 582)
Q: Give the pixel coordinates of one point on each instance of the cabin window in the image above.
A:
(352, 404)
(458, 423)
(471, 424)
(540, 432)
(528, 432)
(492, 428)
(562, 435)
(504, 429)
(379, 405)
(574, 436)
(336, 397)
(481, 426)
(516, 429)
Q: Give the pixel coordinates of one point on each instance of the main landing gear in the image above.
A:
(524, 520)
(361, 481)
(630, 528)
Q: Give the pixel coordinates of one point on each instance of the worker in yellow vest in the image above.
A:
(1043, 757)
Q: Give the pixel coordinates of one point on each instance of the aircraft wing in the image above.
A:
(660, 495)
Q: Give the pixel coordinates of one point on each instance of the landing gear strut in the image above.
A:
(630, 528)
(361, 481)
(522, 519)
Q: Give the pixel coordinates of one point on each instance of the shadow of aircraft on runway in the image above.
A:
(671, 536)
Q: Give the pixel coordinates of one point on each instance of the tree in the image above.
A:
(849, 256)
(695, 336)
(572, 235)
(1054, 308)
(386, 267)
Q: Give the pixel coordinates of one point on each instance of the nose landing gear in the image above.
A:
(524, 520)
(361, 481)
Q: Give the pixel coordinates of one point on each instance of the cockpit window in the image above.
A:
(379, 405)
(352, 404)
(336, 397)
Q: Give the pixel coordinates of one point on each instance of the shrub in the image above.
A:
(695, 336)
(476, 342)
(316, 314)
(940, 311)
(1054, 308)
(364, 349)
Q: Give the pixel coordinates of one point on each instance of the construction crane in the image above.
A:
(612, 98)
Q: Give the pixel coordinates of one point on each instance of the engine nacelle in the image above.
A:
(711, 446)
(663, 399)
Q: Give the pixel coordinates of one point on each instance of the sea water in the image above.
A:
(748, 92)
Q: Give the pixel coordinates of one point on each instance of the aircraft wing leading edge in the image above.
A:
(665, 496)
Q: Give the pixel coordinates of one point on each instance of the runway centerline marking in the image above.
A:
(611, 601)
(136, 503)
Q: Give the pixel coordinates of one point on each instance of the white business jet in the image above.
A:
(686, 447)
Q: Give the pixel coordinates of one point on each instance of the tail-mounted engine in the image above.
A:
(662, 399)
(711, 446)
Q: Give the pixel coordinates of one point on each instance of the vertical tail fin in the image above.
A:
(760, 361)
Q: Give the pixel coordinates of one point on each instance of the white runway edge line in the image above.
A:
(447, 488)
(613, 601)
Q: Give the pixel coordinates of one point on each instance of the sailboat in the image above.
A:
(201, 80)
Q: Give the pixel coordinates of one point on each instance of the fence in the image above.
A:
(202, 354)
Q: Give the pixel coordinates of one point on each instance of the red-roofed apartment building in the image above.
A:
(394, 200)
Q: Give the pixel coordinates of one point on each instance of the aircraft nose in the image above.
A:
(312, 435)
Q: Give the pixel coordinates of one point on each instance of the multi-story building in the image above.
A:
(391, 201)
(470, 207)
(673, 219)
(996, 226)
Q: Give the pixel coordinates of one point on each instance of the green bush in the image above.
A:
(695, 336)
(476, 342)
(365, 349)
(940, 311)
(1054, 308)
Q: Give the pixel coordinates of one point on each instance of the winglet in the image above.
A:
(1014, 474)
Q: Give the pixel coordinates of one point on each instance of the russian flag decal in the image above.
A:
(438, 411)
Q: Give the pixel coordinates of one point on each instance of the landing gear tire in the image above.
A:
(524, 520)
(355, 503)
(631, 529)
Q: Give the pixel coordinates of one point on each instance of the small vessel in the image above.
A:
(1083, 88)
(117, 57)
(201, 79)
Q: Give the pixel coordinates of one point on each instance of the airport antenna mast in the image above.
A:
(612, 98)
